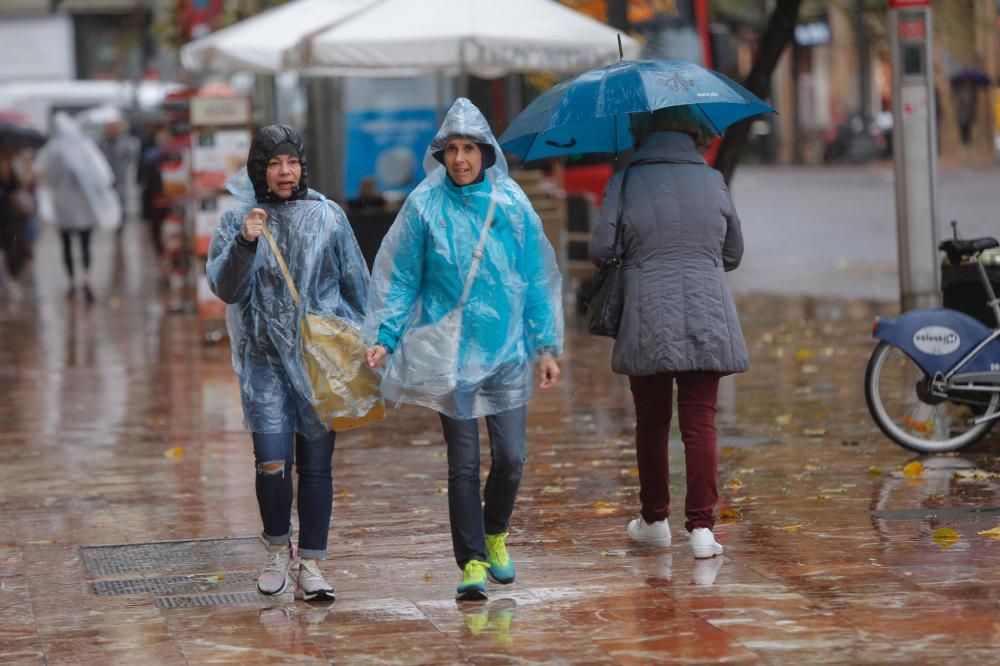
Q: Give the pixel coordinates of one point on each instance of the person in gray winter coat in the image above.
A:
(679, 323)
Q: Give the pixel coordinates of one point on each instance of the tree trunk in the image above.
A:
(777, 35)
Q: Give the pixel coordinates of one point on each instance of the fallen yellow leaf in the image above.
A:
(428, 577)
(913, 469)
(604, 509)
(216, 579)
(875, 471)
(993, 533)
(792, 528)
(783, 419)
(945, 537)
(633, 473)
(814, 432)
(804, 354)
(728, 451)
(811, 468)
(553, 490)
(736, 483)
(175, 453)
(730, 516)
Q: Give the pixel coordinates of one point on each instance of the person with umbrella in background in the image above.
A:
(668, 220)
(16, 211)
(468, 244)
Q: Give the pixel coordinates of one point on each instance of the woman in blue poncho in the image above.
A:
(465, 305)
(331, 278)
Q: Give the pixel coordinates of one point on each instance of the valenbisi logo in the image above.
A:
(994, 367)
(936, 340)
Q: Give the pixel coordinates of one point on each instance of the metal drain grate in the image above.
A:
(220, 599)
(168, 585)
(172, 557)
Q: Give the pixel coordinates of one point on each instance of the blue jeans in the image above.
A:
(274, 454)
(471, 519)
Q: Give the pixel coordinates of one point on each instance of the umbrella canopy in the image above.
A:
(16, 137)
(480, 37)
(590, 112)
(265, 43)
(976, 77)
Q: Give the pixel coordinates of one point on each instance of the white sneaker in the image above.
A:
(703, 544)
(312, 585)
(273, 578)
(654, 534)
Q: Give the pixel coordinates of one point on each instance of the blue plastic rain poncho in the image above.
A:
(78, 181)
(326, 266)
(514, 309)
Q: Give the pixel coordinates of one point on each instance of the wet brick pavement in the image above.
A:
(127, 503)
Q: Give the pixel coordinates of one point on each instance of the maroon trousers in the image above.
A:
(696, 399)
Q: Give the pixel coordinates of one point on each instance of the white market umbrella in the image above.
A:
(485, 38)
(264, 43)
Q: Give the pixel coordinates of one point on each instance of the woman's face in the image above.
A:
(463, 160)
(283, 175)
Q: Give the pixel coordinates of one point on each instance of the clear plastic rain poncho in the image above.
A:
(329, 273)
(514, 309)
(77, 179)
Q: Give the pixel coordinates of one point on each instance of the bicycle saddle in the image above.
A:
(956, 249)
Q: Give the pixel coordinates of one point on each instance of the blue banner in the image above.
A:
(388, 146)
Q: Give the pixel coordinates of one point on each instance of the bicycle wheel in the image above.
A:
(899, 398)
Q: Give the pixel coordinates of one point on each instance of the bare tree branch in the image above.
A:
(777, 35)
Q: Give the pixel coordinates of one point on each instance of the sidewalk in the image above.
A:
(128, 511)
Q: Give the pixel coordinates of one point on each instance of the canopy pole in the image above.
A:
(439, 95)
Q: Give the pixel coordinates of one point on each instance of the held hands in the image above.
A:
(253, 224)
(548, 372)
(375, 355)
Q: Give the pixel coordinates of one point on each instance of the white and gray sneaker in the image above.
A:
(654, 534)
(703, 544)
(273, 578)
(312, 585)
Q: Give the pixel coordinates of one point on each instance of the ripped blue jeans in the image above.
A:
(274, 454)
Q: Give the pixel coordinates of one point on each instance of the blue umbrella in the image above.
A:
(590, 112)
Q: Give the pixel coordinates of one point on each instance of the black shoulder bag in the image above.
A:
(606, 299)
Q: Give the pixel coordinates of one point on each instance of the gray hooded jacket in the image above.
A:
(681, 234)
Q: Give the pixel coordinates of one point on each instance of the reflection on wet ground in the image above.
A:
(120, 427)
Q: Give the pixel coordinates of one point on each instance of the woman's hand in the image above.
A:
(253, 224)
(548, 372)
(375, 355)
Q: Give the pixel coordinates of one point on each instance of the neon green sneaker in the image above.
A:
(473, 585)
(501, 566)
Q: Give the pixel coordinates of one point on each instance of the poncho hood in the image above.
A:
(268, 142)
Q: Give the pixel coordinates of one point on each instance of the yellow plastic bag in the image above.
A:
(334, 355)
(345, 391)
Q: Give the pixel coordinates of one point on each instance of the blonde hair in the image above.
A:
(685, 119)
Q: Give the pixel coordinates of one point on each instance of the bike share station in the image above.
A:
(933, 380)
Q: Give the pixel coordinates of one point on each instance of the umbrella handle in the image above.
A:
(621, 53)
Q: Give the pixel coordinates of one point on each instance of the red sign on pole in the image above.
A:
(904, 4)
(912, 28)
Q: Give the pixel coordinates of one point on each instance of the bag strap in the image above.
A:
(282, 264)
(620, 225)
(477, 254)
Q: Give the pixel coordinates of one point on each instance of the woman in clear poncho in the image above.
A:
(510, 321)
(80, 184)
(331, 277)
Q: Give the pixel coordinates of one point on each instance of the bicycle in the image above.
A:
(933, 380)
